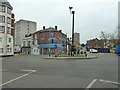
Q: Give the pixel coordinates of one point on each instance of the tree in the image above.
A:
(110, 39)
(105, 37)
(113, 39)
(82, 45)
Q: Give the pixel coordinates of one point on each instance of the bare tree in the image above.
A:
(113, 39)
(105, 37)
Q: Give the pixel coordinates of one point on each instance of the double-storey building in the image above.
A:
(49, 41)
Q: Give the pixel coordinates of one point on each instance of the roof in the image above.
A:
(5, 2)
(50, 29)
(26, 20)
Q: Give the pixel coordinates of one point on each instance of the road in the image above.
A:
(29, 71)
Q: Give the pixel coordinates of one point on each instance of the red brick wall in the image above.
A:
(93, 43)
(12, 24)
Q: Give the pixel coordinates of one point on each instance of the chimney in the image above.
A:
(60, 30)
(56, 27)
(43, 27)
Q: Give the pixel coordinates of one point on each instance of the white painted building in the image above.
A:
(27, 43)
(6, 39)
(35, 50)
(23, 28)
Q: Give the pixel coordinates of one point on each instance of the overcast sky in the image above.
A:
(91, 16)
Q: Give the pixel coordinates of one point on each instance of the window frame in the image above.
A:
(52, 34)
(3, 30)
(3, 10)
(10, 40)
(1, 50)
(52, 41)
(8, 32)
(8, 10)
(8, 18)
(3, 21)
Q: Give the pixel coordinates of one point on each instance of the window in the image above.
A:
(2, 28)
(35, 42)
(8, 29)
(9, 40)
(8, 20)
(28, 43)
(0, 39)
(2, 8)
(9, 11)
(52, 34)
(23, 43)
(2, 19)
(42, 41)
(52, 41)
(10, 50)
(42, 35)
(1, 50)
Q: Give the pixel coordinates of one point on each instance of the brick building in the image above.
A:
(95, 43)
(12, 24)
(46, 40)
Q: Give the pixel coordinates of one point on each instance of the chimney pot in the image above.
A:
(43, 27)
(60, 30)
(56, 27)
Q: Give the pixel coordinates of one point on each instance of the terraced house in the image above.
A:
(6, 28)
(49, 41)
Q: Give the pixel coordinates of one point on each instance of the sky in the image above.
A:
(91, 16)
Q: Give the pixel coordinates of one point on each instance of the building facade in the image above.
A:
(95, 43)
(6, 28)
(49, 41)
(77, 41)
(77, 37)
(27, 43)
(23, 28)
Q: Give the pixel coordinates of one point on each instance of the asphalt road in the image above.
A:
(28, 71)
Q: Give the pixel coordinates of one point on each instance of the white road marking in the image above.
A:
(31, 71)
(28, 70)
(109, 82)
(91, 84)
(3, 69)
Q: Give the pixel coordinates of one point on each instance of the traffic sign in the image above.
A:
(55, 47)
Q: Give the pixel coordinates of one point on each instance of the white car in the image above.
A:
(93, 51)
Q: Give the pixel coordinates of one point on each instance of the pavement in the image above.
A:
(29, 71)
(62, 58)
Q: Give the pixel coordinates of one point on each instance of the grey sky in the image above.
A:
(91, 16)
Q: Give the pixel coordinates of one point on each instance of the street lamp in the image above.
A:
(72, 12)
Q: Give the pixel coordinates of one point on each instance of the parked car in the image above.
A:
(93, 51)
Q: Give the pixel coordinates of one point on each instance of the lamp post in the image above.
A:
(72, 47)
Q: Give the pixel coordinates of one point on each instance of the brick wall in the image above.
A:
(95, 43)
